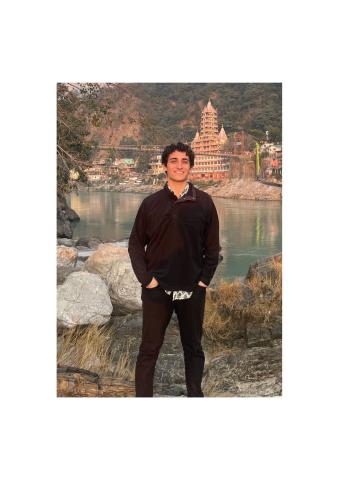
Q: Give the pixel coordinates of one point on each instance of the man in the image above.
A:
(180, 228)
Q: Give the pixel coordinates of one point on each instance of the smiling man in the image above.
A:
(179, 227)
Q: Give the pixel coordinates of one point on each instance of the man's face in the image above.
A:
(178, 166)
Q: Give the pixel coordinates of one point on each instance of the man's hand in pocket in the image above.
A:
(154, 283)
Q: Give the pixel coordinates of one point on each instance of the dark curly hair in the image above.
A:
(180, 147)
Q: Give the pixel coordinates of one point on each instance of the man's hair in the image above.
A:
(180, 147)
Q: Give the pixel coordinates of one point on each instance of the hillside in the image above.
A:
(161, 113)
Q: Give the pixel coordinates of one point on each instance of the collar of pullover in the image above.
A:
(187, 194)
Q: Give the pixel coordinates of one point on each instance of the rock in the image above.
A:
(165, 390)
(66, 262)
(276, 327)
(124, 288)
(113, 264)
(64, 216)
(264, 268)
(71, 214)
(257, 333)
(67, 242)
(245, 372)
(64, 272)
(170, 369)
(83, 298)
(64, 228)
(66, 256)
(91, 242)
(102, 258)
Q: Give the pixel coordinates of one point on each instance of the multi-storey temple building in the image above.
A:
(208, 146)
(216, 156)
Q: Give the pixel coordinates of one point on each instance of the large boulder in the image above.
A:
(83, 299)
(124, 288)
(248, 372)
(113, 264)
(101, 260)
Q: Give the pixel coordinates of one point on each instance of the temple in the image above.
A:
(208, 146)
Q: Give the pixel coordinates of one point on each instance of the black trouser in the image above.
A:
(157, 308)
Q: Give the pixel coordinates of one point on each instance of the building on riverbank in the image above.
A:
(209, 140)
(155, 165)
(100, 170)
(271, 163)
(104, 171)
(218, 156)
(208, 145)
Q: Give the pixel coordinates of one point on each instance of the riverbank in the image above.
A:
(243, 189)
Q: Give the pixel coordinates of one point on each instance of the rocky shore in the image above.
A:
(244, 189)
(100, 321)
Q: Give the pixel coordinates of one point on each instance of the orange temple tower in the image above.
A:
(208, 146)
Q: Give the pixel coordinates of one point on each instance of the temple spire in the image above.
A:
(222, 135)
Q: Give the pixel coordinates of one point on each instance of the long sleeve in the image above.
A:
(136, 247)
(212, 246)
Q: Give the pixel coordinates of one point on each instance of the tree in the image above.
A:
(73, 151)
(275, 135)
(78, 107)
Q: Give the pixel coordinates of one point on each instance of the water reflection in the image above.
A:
(248, 230)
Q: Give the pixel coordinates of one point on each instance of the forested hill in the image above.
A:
(161, 113)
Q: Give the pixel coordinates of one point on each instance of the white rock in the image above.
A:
(83, 299)
(125, 290)
(113, 264)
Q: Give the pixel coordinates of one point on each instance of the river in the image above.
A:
(249, 229)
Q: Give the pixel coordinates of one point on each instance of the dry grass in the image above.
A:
(86, 347)
(223, 312)
(266, 291)
(231, 304)
(124, 368)
(90, 347)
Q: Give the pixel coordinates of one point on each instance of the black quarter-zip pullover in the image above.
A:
(181, 237)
